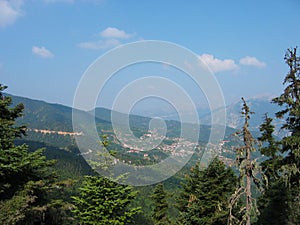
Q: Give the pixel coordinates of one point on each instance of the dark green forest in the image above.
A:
(44, 180)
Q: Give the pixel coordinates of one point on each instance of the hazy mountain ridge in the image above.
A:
(259, 107)
(50, 116)
(234, 119)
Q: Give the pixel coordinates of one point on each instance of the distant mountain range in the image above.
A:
(50, 125)
(42, 115)
(260, 106)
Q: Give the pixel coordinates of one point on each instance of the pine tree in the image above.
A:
(273, 203)
(248, 169)
(270, 149)
(209, 202)
(160, 215)
(290, 145)
(103, 202)
(290, 99)
(189, 189)
(25, 178)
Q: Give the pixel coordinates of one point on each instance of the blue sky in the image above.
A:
(46, 45)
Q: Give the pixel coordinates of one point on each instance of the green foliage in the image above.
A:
(15, 209)
(271, 149)
(206, 195)
(26, 177)
(290, 100)
(42, 115)
(35, 203)
(272, 204)
(159, 197)
(267, 129)
(189, 188)
(280, 203)
(68, 163)
(102, 201)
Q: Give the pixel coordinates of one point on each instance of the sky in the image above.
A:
(47, 45)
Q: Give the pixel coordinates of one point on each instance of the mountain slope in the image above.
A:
(234, 119)
(51, 124)
(42, 115)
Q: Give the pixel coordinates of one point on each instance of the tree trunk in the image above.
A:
(248, 186)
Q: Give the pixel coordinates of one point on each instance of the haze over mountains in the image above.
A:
(260, 106)
(40, 114)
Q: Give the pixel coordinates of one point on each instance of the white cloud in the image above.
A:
(112, 32)
(251, 61)
(111, 37)
(218, 65)
(42, 52)
(10, 11)
(101, 44)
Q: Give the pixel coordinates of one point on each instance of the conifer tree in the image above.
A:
(290, 100)
(103, 201)
(290, 145)
(25, 178)
(189, 189)
(160, 215)
(209, 202)
(273, 203)
(270, 149)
